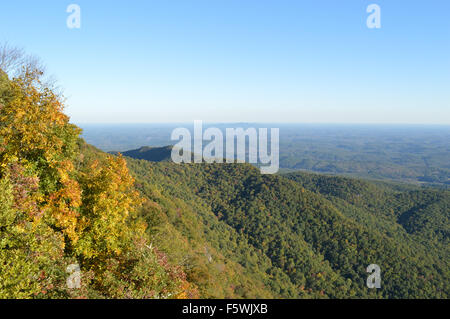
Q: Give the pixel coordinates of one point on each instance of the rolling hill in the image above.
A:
(296, 235)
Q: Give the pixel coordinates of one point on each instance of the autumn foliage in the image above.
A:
(58, 207)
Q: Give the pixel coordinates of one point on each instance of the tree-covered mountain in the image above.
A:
(154, 229)
(304, 235)
(152, 154)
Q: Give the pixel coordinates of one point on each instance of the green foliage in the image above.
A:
(303, 235)
(181, 231)
(30, 253)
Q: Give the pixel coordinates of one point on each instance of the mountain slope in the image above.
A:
(64, 206)
(297, 241)
(422, 213)
(152, 154)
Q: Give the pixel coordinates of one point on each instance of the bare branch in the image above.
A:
(15, 63)
(10, 58)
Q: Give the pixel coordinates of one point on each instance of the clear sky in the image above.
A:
(242, 60)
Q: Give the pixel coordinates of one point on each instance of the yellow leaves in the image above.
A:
(37, 137)
(108, 197)
(20, 114)
(51, 204)
(32, 120)
(63, 204)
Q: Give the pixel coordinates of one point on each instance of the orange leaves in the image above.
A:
(36, 136)
(55, 205)
(24, 191)
(63, 205)
(187, 291)
(107, 200)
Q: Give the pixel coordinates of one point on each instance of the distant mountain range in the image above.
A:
(152, 154)
(416, 154)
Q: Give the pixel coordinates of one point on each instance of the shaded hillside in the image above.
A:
(297, 240)
(424, 213)
(152, 154)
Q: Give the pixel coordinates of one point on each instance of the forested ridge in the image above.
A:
(306, 235)
(141, 229)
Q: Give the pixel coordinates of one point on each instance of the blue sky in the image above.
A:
(242, 61)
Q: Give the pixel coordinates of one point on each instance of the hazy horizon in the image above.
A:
(234, 61)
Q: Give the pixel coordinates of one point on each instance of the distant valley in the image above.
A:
(415, 154)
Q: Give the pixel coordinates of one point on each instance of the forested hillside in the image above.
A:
(63, 206)
(301, 235)
(141, 229)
